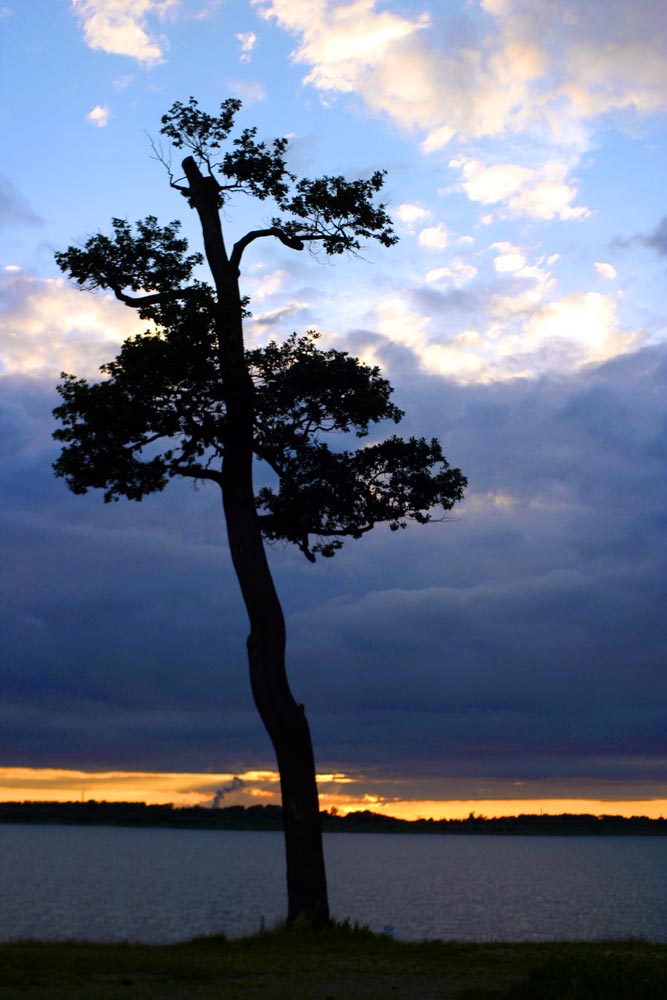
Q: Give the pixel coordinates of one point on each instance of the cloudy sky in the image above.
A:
(511, 659)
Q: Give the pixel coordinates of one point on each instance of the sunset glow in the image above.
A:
(262, 788)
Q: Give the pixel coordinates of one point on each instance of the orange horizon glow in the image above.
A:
(496, 808)
(345, 793)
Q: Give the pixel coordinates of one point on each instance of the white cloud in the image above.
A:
(536, 66)
(536, 284)
(549, 198)
(410, 213)
(48, 326)
(457, 273)
(119, 27)
(527, 332)
(540, 193)
(99, 115)
(509, 258)
(584, 325)
(561, 336)
(433, 237)
(604, 270)
(341, 42)
(247, 41)
(400, 324)
(489, 185)
(438, 138)
(266, 285)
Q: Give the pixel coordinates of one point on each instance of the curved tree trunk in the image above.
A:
(284, 719)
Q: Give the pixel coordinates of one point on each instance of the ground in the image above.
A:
(343, 964)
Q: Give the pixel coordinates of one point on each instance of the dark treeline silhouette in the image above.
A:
(94, 813)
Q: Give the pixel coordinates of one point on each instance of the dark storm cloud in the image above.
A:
(528, 636)
(122, 630)
(523, 640)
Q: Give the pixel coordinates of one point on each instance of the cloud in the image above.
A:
(522, 341)
(410, 213)
(527, 66)
(522, 641)
(263, 286)
(520, 327)
(119, 27)
(457, 273)
(539, 193)
(605, 270)
(247, 40)
(261, 322)
(532, 584)
(14, 209)
(657, 240)
(341, 42)
(99, 115)
(584, 325)
(433, 237)
(48, 326)
(509, 258)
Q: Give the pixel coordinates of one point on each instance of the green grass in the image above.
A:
(342, 962)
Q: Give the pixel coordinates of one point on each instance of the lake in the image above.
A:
(154, 885)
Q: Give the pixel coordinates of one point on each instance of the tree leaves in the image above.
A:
(337, 213)
(153, 257)
(332, 212)
(161, 413)
(187, 125)
(160, 410)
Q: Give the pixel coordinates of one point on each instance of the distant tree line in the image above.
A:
(93, 813)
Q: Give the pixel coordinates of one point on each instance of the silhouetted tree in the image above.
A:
(186, 398)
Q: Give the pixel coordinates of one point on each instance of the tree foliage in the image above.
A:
(160, 413)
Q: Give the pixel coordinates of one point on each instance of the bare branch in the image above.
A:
(197, 472)
(293, 242)
(139, 301)
(166, 163)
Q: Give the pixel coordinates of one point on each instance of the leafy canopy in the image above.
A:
(161, 413)
(333, 212)
(160, 409)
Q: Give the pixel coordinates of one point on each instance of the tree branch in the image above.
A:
(138, 301)
(289, 241)
(197, 472)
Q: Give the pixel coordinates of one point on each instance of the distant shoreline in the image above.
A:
(138, 814)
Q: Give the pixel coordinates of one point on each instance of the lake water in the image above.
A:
(111, 884)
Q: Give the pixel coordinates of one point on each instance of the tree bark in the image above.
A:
(284, 719)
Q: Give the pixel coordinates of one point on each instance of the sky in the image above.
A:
(508, 660)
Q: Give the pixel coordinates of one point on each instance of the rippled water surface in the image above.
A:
(110, 884)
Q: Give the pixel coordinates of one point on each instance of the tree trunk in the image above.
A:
(284, 719)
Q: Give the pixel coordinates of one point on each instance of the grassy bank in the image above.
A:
(328, 965)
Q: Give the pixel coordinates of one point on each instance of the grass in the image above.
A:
(341, 962)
